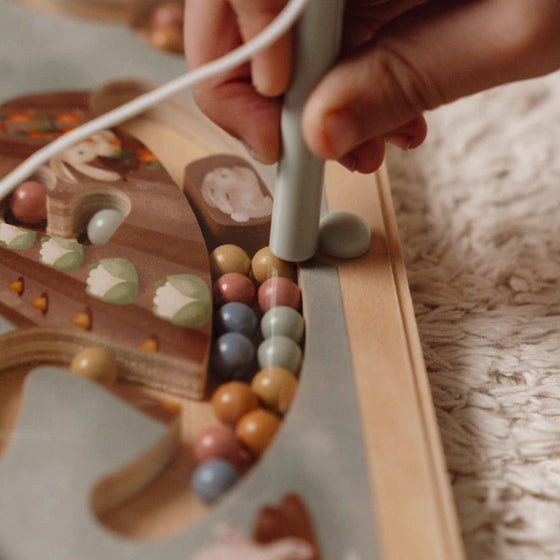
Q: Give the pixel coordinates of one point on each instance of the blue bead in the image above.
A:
(212, 478)
(237, 317)
(233, 356)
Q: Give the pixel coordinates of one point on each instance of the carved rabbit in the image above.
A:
(236, 192)
(81, 154)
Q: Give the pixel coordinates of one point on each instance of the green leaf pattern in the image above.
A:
(113, 280)
(184, 300)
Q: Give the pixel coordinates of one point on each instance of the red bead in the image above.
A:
(234, 286)
(29, 202)
(218, 442)
(278, 291)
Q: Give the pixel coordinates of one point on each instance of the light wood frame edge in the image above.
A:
(412, 497)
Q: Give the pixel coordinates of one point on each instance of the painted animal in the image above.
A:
(235, 191)
(80, 155)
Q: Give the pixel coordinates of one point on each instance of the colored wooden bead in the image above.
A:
(232, 400)
(257, 429)
(218, 442)
(279, 351)
(284, 321)
(95, 363)
(237, 317)
(212, 478)
(167, 13)
(275, 387)
(278, 291)
(28, 202)
(344, 235)
(167, 38)
(229, 258)
(266, 264)
(103, 224)
(233, 286)
(233, 356)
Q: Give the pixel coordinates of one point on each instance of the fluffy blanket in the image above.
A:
(478, 208)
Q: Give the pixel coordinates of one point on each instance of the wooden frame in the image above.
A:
(409, 491)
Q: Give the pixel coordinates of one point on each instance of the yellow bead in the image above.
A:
(275, 387)
(95, 363)
(229, 258)
(266, 264)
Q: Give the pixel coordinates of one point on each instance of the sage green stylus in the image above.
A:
(299, 181)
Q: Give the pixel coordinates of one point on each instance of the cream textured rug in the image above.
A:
(479, 213)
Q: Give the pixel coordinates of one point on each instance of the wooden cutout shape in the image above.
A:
(159, 236)
(70, 434)
(396, 471)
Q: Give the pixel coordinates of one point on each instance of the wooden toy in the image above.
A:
(350, 464)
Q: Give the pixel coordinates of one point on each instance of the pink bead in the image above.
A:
(278, 291)
(234, 286)
(218, 442)
(29, 202)
(168, 14)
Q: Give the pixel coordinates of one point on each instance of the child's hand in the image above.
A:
(400, 58)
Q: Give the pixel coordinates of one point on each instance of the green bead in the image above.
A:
(344, 235)
(103, 225)
(281, 351)
(282, 320)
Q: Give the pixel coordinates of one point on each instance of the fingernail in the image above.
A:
(401, 141)
(349, 161)
(342, 133)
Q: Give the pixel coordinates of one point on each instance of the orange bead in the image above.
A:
(232, 400)
(167, 38)
(257, 429)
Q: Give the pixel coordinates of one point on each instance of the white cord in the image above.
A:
(242, 54)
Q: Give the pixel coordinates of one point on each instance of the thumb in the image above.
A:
(431, 56)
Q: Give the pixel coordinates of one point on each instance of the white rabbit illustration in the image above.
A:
(79, 155)
(235, 546)
(236, 192)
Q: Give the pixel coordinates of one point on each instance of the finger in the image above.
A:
(364, 17)
(368, 156)
(365, 158)
(430, 56)
(270, 68)
(408, 136)
(229, 99)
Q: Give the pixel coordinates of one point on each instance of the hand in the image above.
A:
(400, 57)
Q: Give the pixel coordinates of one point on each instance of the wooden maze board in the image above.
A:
(357, 468)
(363, 395)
